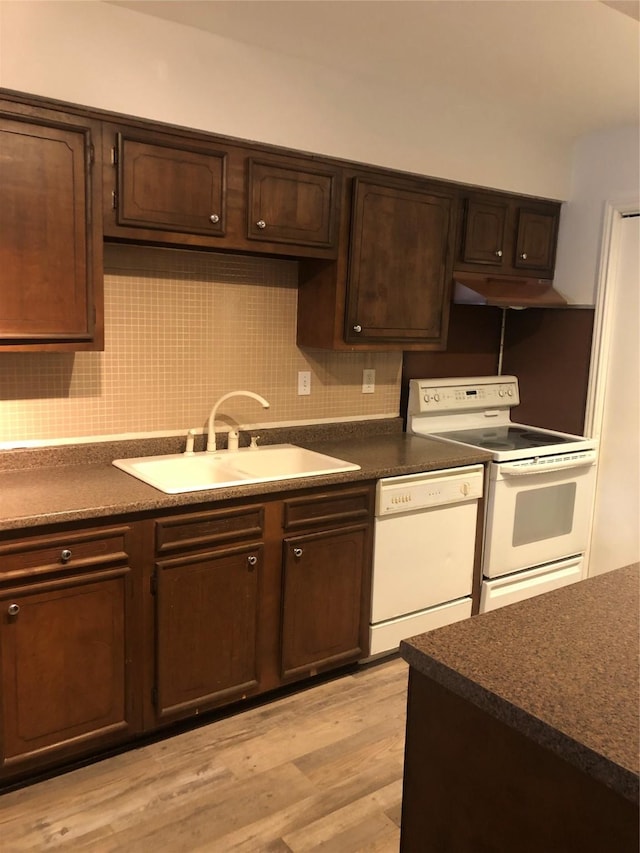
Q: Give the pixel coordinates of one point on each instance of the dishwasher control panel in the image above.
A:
(430, 489)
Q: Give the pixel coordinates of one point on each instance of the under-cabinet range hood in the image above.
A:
(505, 291)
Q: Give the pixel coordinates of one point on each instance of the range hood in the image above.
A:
(505, 291)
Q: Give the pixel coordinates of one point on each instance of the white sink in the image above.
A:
(180, 472)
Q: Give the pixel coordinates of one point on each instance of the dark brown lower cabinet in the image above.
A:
(108, 632)
(207, 608)
(324, 576)
(66, 647)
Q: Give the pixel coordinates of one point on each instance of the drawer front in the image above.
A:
(208, 528)
(346, 505)
(73, 550)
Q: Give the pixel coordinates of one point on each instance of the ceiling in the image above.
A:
(571, 65)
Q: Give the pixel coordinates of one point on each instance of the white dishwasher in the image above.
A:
(424, 546)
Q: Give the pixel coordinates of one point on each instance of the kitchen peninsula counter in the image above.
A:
(59, 485)
(522, 729)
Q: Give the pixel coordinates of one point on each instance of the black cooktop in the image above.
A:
(506, 437)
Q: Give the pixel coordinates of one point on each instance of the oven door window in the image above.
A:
(543, 513)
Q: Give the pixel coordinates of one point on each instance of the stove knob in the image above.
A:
(510, 392)
(501, 393)
(426, 398)
(436, 397)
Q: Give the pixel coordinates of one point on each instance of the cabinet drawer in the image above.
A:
(44, 554)
(328, 508)
(207, 528)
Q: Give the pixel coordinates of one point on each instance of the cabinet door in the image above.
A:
(291, 204)
(64, 664)
(170, 185)
(484, 233)
(206, 628)
(322, 599)
(50, 232)
(398, 284)
(536, 240)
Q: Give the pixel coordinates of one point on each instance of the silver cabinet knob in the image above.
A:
(498, 253)
(252, 560)
(214, 218)
(297, 552)
(261, 223)
(66, 555)
(13, 609)
(524, 256)
(357, 327)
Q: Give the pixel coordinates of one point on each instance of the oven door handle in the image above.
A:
(534, 470)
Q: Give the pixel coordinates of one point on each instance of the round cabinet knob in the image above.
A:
(524, 256)
(297, 552)
(252, 560)
(66, 555)
(214, 218)
(13, 609)
(357, 328)
(261, 224)
(498, 253)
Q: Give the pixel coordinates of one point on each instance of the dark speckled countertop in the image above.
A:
(562, 668)
(53, 485)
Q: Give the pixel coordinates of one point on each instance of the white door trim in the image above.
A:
(605, 294)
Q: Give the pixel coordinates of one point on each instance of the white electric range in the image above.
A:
(540, 484)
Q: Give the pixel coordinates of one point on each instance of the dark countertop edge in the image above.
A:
(437, 455)
(611, 774)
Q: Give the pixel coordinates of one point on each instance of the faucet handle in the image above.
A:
(191, 434)
(254, 442)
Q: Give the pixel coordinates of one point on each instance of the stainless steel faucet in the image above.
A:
(211, 438)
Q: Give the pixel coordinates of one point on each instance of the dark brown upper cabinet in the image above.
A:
(397, 281)
(197, 190)
(484, 233)
(164, 188)
(391, 284)
(169, 187)
(50, 230)
(536, 239)
(293, 204)
(508, 234)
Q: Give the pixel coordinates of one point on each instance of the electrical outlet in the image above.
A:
(368, 381)
(304, 382)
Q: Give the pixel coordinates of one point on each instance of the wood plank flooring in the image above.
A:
(317, 770)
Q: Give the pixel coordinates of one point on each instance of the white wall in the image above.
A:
(105, 56)
(606, 167)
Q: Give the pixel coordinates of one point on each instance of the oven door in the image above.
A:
(537, 515)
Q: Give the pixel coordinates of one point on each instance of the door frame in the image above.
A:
(607, 286)
(606, 289)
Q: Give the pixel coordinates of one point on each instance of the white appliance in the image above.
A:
(424, 546)
(540, 489)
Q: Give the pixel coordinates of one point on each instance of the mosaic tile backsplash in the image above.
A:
(183, 328)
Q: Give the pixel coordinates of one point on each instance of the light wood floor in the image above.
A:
(318, 770)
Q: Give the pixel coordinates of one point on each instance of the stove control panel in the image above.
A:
(440, 396)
